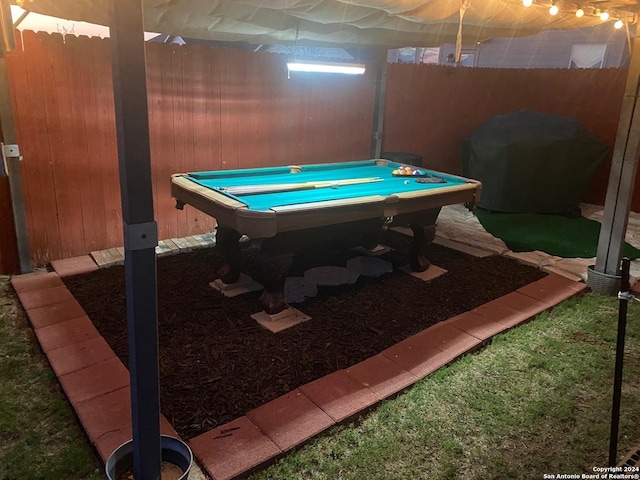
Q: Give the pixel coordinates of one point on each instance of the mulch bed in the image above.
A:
(216, 363)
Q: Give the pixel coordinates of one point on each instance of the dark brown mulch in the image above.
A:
(216, 363)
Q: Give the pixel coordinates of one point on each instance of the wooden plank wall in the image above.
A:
(208, 109)
(215, 108)
(429, 109)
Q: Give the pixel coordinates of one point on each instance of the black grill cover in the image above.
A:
(531, 162)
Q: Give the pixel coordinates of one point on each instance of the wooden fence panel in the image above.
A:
(203, 92)
(166, 158)
(44, 231)
(58, 111)
(73, 149)
(216, 108)
(91, 164)
(184, 132)
(155, 107)
(429, 109)
(234, 90)
(256, 133)
(105, 170)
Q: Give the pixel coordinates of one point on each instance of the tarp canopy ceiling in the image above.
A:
(371, 23)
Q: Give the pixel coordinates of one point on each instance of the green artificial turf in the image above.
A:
(554, 234)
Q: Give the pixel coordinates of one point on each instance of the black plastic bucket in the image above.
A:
(174, 451)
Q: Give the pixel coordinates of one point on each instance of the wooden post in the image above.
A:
(624, 165)
(9, 137)
(140, 230)
(13, 172)
(378, 112)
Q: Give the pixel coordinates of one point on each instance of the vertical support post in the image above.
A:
(9, 137)
(140, 230)
(624, 165)
(617, 377)
(378, 112)
(17, 207)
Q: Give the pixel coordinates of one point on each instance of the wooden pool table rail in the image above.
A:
(268, 223)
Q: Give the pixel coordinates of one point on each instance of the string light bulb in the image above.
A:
(527, 3)
(604, 16)
(553, 10)
(619, 24)
(579, 13)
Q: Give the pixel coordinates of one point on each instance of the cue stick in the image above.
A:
(290, 187)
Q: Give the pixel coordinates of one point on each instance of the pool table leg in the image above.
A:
(227, 240)
(372, 235)
(422, 238)
(275, 268)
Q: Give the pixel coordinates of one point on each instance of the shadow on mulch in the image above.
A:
(216, 363)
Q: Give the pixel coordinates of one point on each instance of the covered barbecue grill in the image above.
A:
(531, 162)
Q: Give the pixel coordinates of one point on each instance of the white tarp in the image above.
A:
(382, 23)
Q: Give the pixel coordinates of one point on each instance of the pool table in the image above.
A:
(281, 208)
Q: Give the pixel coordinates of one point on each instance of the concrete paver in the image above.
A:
(382, 376)
(66, 333)
(67, 267)
(95, 380)
(35, 281)
(425, 352)
(55, 313)
(233, 449)
(290, 420)
(44, 296)
(478, 326)
(77, 356)
(339, 395)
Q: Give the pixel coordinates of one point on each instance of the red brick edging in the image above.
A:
(97, 383)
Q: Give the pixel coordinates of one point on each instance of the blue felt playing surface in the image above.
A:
(389, 185)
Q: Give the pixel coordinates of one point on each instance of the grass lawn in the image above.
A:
(39, 435)
(536, 400)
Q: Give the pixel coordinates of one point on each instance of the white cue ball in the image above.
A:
(407, 182)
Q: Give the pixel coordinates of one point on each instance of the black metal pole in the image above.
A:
(140, 230)
(617, 379)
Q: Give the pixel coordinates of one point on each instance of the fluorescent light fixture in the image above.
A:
(326, 67)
